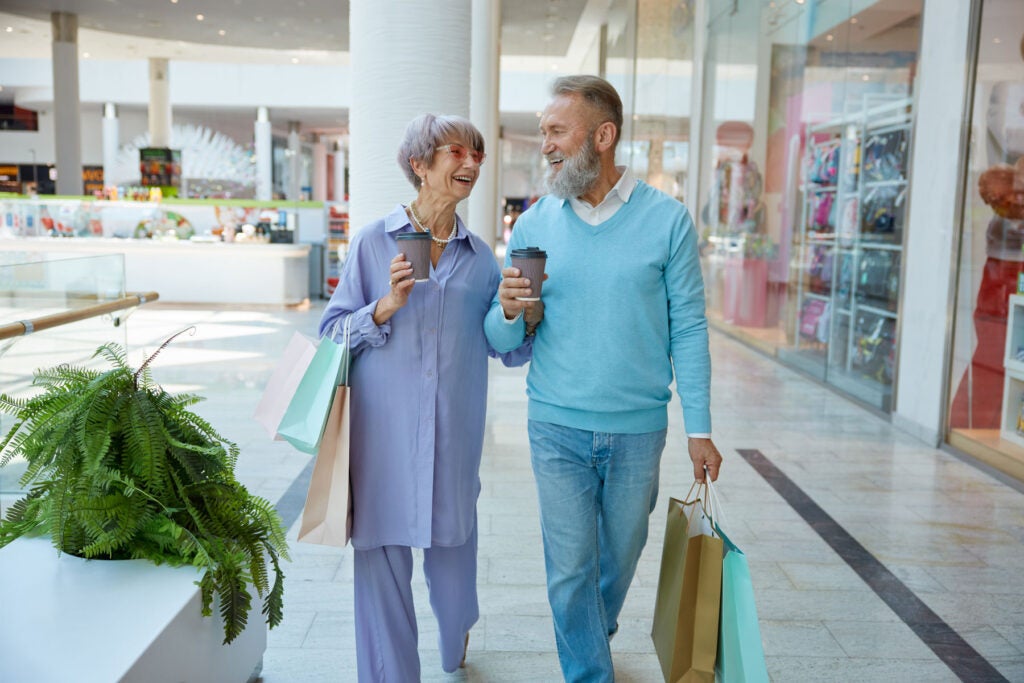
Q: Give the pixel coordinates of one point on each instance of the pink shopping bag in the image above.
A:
(283, 383)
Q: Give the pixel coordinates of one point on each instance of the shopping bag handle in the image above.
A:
(705, 503)
(716, 504)
(346, 356)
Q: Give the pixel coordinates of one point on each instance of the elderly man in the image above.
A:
(623, 306)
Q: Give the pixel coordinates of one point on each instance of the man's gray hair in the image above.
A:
(598, 93)
(428, 131)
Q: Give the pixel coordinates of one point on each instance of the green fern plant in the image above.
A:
(120, 469)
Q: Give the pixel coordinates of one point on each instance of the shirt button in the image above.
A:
(430, 373)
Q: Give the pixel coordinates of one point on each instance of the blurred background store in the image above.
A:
(853, 166)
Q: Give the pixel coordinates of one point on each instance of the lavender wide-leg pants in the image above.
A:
(386, 633)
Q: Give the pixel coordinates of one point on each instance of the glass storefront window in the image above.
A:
(806, 138)
(986, 409)
(644, 49)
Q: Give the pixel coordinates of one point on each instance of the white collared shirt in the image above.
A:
(612, 202)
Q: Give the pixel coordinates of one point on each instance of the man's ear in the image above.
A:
(604, 136)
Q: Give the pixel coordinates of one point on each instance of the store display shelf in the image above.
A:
(883, 246)
(855, 253)
(893, 182)
(885, 313)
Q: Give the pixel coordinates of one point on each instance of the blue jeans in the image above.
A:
(596, 493)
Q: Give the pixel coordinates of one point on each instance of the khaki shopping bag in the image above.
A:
(327, 515)
(688, 602)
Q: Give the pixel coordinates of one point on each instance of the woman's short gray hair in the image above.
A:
(428, 131)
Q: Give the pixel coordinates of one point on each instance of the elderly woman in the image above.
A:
(419, 395)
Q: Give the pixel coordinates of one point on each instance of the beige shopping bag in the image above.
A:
(327, 515)
(688, 602)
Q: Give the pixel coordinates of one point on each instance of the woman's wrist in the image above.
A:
(384, 310)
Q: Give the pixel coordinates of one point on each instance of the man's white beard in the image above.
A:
(578, 172)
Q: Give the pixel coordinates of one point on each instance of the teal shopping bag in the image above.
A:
(740, 652)
(304, 419)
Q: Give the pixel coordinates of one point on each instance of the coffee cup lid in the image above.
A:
(413, 236)
(529, 252)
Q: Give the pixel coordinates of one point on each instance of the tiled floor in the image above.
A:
(951, 533)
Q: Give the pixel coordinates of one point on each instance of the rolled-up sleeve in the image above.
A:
(354, 296)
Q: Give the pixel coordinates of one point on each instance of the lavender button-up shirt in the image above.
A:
(418, 388)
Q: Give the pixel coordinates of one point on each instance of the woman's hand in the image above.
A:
(401, 284)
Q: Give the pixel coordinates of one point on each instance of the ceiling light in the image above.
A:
(1, 88)
(865, 77)
(996, 41)
(636, 117)
(853, 20)
(85, 55)
(830, 37)
(538, 115)
(10, 29)
(800, 2)
(174, 2)
(295, 60)
(199, 17)
(222, 32)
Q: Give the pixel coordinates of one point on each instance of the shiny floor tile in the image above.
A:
(952, 534)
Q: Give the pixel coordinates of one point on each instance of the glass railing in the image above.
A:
(37, 287)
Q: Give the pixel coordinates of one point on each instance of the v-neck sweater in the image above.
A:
(623, 306)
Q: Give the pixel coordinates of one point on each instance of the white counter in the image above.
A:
(192, 272)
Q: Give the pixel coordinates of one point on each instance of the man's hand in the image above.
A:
(512, 286)
(704, 454)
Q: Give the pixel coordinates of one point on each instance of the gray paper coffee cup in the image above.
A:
(530, 261)
(416, 247)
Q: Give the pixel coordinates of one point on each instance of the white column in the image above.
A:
(264, 155)
(484, 204)
(932, 232)
(319, 170)
(423, 58)
(340, 164)
(294, 162)
(694, 156)
(66, 107)
(159, 103)
(111, 133)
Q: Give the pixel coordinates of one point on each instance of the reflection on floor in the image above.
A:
(951, 533)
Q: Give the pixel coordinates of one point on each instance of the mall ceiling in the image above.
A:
(530, 27)
(262, 31)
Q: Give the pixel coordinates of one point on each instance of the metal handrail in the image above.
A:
(45, 322)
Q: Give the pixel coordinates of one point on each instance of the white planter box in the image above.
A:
(97, 621)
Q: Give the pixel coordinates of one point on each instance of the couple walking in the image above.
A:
(622, 312)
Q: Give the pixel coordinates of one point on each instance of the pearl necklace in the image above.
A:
(419, 224)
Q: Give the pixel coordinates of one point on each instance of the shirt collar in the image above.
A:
(624, 187)
(398, 221)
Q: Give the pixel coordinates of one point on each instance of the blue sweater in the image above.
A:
(623, 304)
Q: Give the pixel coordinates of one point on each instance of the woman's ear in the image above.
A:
(418, 167)
(604, 136)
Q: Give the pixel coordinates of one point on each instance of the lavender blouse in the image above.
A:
(418, 388)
